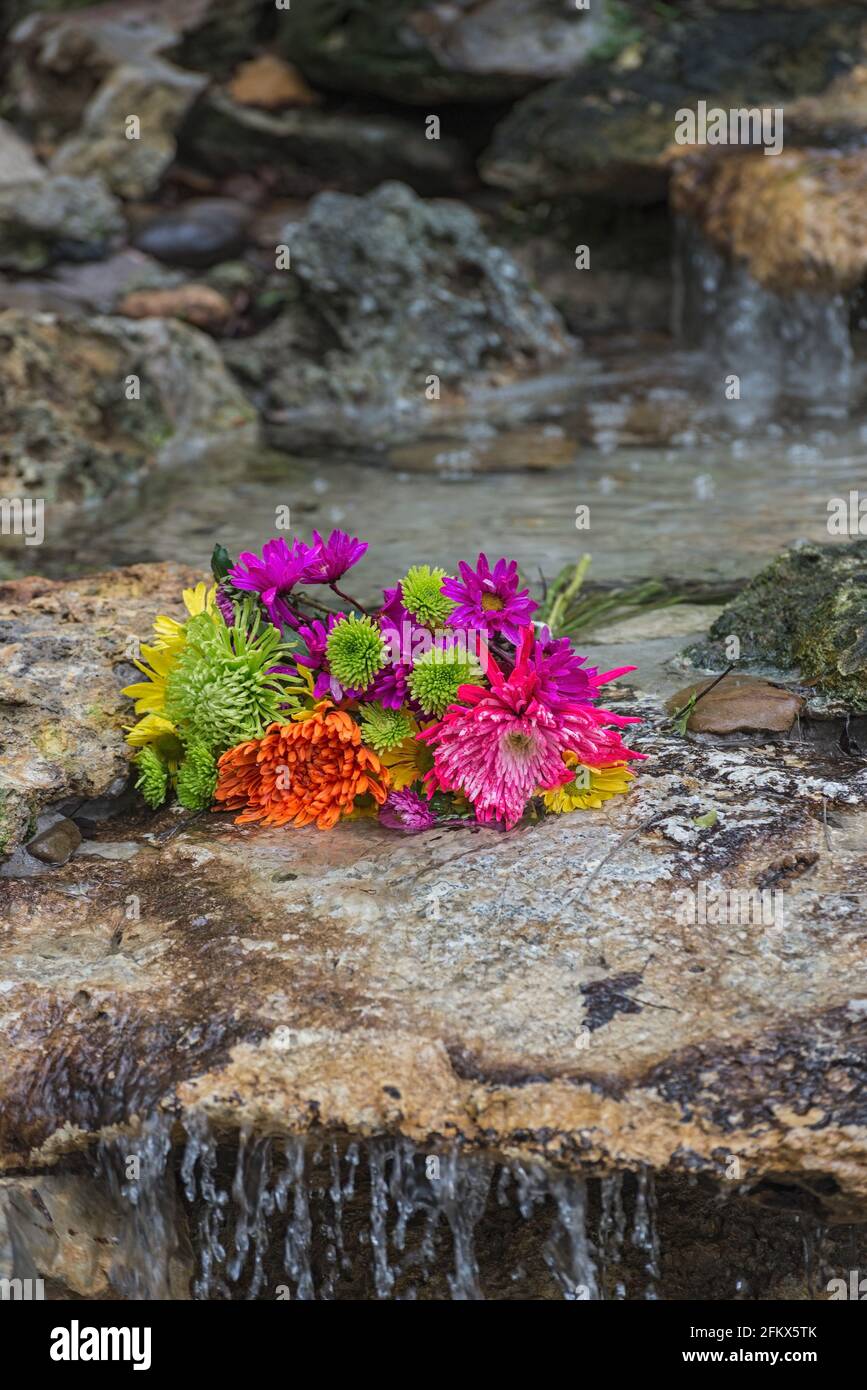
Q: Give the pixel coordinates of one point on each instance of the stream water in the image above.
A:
(677, 481)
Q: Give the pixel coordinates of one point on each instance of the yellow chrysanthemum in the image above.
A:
(169, 639)
(409, 761)
(169, 633)
(148, 729)
(589, 788)
(150, 694)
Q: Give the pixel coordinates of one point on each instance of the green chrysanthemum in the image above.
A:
(355, 651)
(221, 689)
(197, 777)
(423, 598)
(436, 676)
(384, 729)
(153, 776)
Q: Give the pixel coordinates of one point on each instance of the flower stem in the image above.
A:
(348, 599)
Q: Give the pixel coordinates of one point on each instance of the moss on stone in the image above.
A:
(806, 614)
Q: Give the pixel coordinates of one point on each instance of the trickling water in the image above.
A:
(276, 1217)
(568, 1252)
(795, 345)
(812, 1238)
(201, 1150)
(134, 1171)
(644, 1234)
(462, 1190)
(612, 1228)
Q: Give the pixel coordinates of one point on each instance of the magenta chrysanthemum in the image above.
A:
(489, 598)
(408, 812)
(389, 687)
(503, 745)
(273, 576)
(225, 605)
(333, 557)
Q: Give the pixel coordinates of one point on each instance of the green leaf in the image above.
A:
(221, 562)
(681, 718)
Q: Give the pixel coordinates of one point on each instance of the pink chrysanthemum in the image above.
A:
(504, 744)
(489, 598)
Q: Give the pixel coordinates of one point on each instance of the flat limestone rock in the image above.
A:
(674, 980)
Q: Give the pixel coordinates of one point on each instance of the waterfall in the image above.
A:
(784, 348)
(258, 1216)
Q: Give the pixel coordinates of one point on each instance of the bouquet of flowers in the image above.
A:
(446, 704)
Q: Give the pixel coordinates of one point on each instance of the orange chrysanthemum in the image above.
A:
(309, 770)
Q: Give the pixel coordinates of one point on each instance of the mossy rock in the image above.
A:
(805, 616)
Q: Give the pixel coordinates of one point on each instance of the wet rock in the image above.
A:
(592, 1018)
(93, 813)
(479, 52)
(302, 151)
(18, 165)
(73, 424)
(200, 232)
(738, 704)
(59, 57)
(271, 83)
(795, 222)
(55, 842)
(219, 34)
(197, 304)
(64, 658)
(158, 95)
(392, 294)
(564, 140)
(56, 61)
(73, 1230)
(58, 218)
(805, 616)
(88, 287)
(837, 115)
(609, 127)
(530, 449)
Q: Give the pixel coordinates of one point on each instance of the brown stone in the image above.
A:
(271, 83)
(738, 704)
(56, 843)
(797, 220)
(197, 304)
